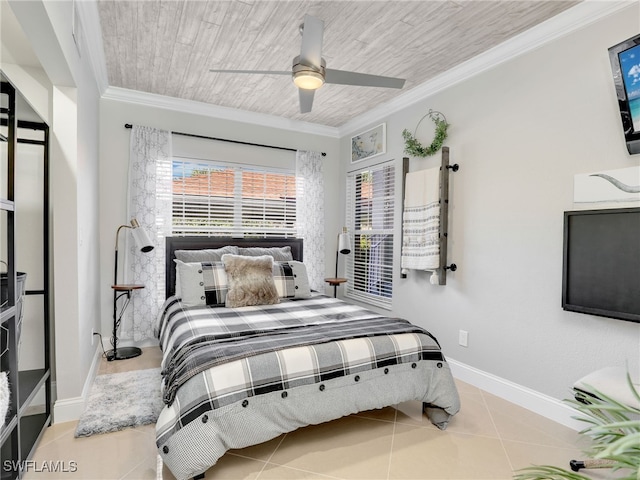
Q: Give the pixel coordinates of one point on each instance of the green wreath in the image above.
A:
(414, 148)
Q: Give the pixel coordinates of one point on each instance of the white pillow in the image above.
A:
(303, 289)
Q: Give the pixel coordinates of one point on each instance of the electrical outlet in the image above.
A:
(463, 338)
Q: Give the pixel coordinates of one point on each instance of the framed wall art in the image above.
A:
(369, 144)
(621, 185)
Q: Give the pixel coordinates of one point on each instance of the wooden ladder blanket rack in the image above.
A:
(445, 169)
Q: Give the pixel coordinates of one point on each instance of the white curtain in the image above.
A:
(310, 214)
(149, 201)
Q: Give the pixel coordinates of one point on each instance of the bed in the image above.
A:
(237, 374)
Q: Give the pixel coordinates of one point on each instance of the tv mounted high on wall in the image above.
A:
(625, 63)
(601, 265)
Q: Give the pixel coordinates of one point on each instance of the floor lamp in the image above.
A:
(144, 244)
(344, 248)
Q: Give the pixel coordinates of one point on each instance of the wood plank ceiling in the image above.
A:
(167, 47)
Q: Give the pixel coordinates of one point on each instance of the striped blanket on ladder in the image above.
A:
(421, 221)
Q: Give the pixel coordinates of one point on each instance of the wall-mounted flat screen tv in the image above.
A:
(601, 265)
(625, 63)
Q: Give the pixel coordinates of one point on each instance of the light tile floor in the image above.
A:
(488, 439)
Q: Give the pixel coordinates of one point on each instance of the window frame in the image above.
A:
(382, 207)
(241, 206)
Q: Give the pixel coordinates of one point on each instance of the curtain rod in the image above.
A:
(128, 125)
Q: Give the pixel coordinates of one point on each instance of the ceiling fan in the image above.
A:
(309, 72)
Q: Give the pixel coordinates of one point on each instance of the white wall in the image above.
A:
(72, 100)
(114, 155)
(520, 133)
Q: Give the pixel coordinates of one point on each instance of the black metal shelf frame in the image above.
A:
(25, 423)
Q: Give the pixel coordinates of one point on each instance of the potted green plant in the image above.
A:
(614, 429)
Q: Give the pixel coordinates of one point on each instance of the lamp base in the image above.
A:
(123, 353)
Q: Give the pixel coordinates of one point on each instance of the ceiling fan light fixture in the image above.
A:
(308, 79)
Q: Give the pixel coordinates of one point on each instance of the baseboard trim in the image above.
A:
(69, 409)
(537, 402)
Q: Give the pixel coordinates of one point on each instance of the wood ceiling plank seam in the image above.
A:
(286, 35)
(374, 21)
(283, 99)
(474, 20)
(253, 48)
(389, 36)
(339, 30)
(126, 19)
(114, 73)
(249, 30)
(197, 67)
(106, 12)
(430, 13)
(519, 21)
(215, 11)
(183, 46)
(384, 28)
(222, 45)
(176, 73)
(237, 50)
(340, 20)
(192, 13)
(167, 28)
(146, 39)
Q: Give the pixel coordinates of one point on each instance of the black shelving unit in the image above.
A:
(29, 411)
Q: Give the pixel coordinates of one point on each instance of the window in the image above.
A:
(232, 200)
(370, 212)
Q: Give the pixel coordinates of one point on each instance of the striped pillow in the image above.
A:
(291, 279)
(202, 283)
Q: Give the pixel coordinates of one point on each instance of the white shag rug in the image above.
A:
(121, 400)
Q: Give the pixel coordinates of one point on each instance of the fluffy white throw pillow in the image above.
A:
(250, 281)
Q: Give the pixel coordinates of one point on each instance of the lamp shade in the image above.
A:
(344, 243)
(141, 237)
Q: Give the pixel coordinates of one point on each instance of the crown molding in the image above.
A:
(572, 19)
(92, 31)
(215, 111)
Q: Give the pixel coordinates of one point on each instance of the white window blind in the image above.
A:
(215, 199)
(370, 212)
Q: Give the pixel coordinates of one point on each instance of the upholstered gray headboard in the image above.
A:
(198, 243)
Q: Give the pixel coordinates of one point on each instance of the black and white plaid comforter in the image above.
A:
(227, 355)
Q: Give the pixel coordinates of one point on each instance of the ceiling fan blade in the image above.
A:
(311, 51)
(342, 77)
(306, 100)
(263, 72)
